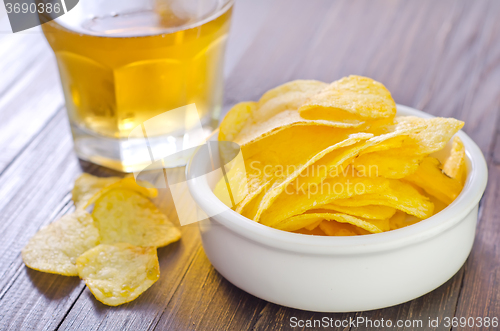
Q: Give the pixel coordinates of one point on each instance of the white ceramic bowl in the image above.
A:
(342, 274)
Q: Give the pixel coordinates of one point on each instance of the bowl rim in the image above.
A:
(308, 244)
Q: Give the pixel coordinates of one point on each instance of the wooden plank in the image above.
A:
(20, 52)
(205, 299)
(37, 92)
(437, 304)
(247, 20)
(35, 297)
(30, 92)
(33, 191)
(144, 312)
(480, 297)
(275, 317)
(277, 49)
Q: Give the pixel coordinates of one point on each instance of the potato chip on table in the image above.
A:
(56, 247)
(86, 186)
(114, 249)
(118, 273)
(145, 188)
(123, 215)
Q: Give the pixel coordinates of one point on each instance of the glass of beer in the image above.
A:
(124, 62)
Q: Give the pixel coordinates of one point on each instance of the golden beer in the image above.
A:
(119, 70)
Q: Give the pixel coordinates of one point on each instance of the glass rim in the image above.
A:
(213, 16)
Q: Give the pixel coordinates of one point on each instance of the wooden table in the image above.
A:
(439, 56)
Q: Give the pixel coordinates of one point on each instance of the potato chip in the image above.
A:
(277, 110)
(390, 163)
(123, 215)
(431, 178)
(300, 221)
(251, 207)
(119, 273)
(235, 120)
(340, 152)
(234, 183)
(334, 228)
(438, 204)
(290, 95)
(129, 183)
(55, 247)
(307, 87)
(391, 200)
(281, 121)
(434, 137)
(87, 185)
(270, 158)
(335, 164)
(313, 226)
(394, 193)
(402, 161)
(369, 211)
(314, 232)
(401, 220)
(352, 97)
(389, 143)
(454, 166)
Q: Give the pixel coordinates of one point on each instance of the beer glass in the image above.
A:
(125, 62)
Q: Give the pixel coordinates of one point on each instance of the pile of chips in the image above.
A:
(334, 159)
(113, 249)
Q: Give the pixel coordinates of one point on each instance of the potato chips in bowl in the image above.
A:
(335, 160)
(335, 209)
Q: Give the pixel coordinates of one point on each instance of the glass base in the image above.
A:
(131, 155)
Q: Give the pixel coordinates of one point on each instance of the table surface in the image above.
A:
(439, 56)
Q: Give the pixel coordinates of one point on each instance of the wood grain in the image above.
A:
(480, 295)
(28, 87)
(439, 56)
